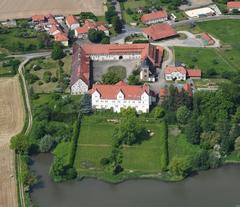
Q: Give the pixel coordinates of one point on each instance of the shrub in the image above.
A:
(46, 143)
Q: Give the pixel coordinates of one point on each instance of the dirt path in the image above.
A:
(11, 123)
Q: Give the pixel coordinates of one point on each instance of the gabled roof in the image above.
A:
(160, 31)
(71, 20)
(194, 73)
(54, 28)
(233, 4)
(38, 18)
(82, 53)
(130, 92)
(61, 37)
(154, 15)
(82, 30)
(173, 69)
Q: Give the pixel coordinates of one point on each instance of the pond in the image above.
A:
(218, 187)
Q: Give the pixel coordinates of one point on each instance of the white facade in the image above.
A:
(175, 76)
(80, 87)
(141, 106)
(155, 21)
(111, 57)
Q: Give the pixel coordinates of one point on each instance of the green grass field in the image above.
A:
(223, 59)
(179, 146)
(95, 143)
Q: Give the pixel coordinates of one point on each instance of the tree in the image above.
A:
(209, 139)
(133, 80)
(87, 15)
(193, 130)
(111, 77)
(20, 143)
(57, 52)
(130, 131)
(117, 24)
(158, 112)
(237, 144)
(110, 13)
(85, 105)
(46, 143)
(183, 115)
(180, 166)
(57, 170)
(96, 36)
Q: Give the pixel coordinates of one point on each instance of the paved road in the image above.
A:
(204, 19)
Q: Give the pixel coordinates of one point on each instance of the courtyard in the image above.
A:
(102, 67)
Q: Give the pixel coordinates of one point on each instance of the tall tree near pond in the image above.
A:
(57, 52)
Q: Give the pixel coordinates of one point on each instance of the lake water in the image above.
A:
(213, 188)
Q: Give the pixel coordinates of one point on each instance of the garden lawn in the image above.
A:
(52, 66)
(206, 59)
(96, 138)
(226, 30)
(223, 59)
(179, 146)
(62, 151)
(14, 41)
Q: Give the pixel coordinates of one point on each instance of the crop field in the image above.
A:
(15, 9)
(96, 138)
(11, 123)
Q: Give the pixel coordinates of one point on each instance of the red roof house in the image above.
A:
(72, 22)
(130, 92)
(38, 18)
(61, 37)
(82, 56)
(160, 31)
(194, 73)
(233, 5)
(154, 17)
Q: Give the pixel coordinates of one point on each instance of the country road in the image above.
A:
(27, 58)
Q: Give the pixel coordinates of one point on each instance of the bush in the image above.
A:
(104, 161)
(46, 143)
(20, 143)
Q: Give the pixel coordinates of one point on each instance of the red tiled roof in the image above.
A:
(188, 88)
(38, 18)
(61, 37)
(194, 73)
(52, 21)
(82, 30)
(54, 28)
(111, 91)
(71, 20)
(102, 28)
(82, 53)
(154, 15)
(160, 31)
(172, 69)
(233, 4)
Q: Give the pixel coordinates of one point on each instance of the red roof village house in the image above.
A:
(155, 17)
(72, 22)
(159, 31)
(120, 96)
(62, 38)
(180, 73)
(82, 32)
(231, 5)
(85, 53)
(38, 18)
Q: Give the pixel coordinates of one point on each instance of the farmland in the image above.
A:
(11, 123)
(25, 9)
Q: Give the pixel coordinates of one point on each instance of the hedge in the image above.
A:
(76, 134)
